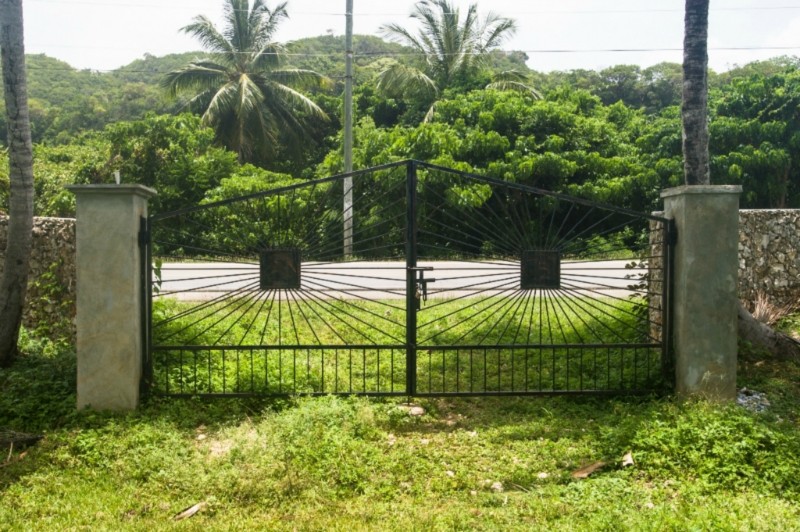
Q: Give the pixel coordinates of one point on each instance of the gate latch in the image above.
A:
(421, 293)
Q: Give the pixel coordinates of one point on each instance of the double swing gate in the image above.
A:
(434, 282)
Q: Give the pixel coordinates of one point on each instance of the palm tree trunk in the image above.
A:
(14, 281)
(694, 108)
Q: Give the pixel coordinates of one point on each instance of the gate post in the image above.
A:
(109, 294)
(705, 288)
(411, 278)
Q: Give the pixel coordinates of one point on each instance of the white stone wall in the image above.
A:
(50, 302)
(769, 255)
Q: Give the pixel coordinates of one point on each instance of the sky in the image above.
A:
(557, 35)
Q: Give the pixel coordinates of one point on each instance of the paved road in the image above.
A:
(200, 281)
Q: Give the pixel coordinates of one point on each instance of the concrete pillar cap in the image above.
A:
(701, 189)
(108, 189)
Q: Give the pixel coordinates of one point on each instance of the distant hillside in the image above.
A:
(65, 101)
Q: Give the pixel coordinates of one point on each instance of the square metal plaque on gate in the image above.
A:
(540, 269)
(280, 269)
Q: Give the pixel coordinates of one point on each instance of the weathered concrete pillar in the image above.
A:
(109, 327)
(705, 289)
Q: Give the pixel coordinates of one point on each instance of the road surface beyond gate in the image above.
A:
(202, 281)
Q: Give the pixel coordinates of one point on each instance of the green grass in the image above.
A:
(333, 463)
(483, 323)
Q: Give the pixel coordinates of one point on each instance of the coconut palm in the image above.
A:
(14, 278)
(242, 90)
(451, 47)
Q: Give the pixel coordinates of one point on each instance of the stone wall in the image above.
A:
(50, 304)
(769, 255)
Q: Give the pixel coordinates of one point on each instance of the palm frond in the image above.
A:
(210, 38)
(495, 30)
(237, 27)
(265, 21)
(278, 96)
(401, 35)
(268, 57)
(300, 78)
(399, 80)
(430, 113)
(516, 86)
(200, 75)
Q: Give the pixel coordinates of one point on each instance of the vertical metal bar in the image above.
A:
(411, 280)
(224, 373)
(146, 281)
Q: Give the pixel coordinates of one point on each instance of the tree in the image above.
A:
(243, 92)
(451, 49)
(14, 281)
(694, 117)
(694, 106)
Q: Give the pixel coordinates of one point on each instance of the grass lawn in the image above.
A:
(355, 464)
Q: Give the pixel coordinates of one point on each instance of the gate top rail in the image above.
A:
(419, 164)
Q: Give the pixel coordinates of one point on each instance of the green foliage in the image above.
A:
(330, 442)
(39, 391)
(568, 143)
(175, 155)
(613, 136)
(50, 310)
(722, 448)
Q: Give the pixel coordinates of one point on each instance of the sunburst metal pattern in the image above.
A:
(457, 284)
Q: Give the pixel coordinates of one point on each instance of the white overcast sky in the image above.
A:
(556, 34)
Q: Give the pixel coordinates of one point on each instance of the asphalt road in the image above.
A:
(201, 281)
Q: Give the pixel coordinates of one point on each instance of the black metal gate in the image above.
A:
(435, 282)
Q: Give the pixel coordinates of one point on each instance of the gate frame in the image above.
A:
(411, 346)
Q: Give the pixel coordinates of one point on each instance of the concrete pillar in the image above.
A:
(705, 289)
(109, 327)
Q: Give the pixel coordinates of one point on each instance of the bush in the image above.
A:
(724, 447)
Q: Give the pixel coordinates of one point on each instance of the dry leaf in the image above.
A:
(584, 472)
(190, 511)
(627, 460)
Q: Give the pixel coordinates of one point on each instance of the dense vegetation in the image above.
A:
(612, 135)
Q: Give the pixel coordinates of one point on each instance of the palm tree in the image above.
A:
(451, 46)
(14, 281)
(694, 106)
(242, 91)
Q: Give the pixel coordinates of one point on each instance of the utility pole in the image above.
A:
(348, 131)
